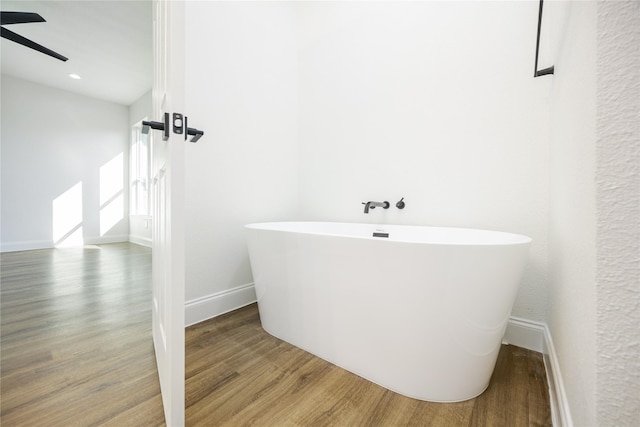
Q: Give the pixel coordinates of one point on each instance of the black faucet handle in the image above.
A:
(400, 204)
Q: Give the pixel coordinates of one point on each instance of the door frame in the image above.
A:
(168, 246)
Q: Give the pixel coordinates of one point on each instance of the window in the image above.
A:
(140, 161)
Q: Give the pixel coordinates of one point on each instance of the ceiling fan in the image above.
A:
(7, 18)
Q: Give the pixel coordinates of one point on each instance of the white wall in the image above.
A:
(64, 167)
(140, 225)
(140, 109)
(311, 108)
(572, 219)
(241, 82)
(434, 102)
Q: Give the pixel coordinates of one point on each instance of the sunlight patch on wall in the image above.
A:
(111, 193)
(67, 218)
(111, 214)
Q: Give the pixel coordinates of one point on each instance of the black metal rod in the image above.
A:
(153, 125)
(163, 126)
(549, 70)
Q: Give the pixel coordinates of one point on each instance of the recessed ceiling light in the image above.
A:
(75, 76)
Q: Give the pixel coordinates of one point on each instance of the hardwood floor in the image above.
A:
(76, 349)
(237, 375)
(76, 338)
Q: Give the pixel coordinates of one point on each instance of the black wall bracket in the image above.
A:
(545, 71)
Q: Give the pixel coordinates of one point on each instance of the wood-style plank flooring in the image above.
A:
(76, 350)
(76, 346)
(238, 375)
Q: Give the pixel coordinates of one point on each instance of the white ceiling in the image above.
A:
(108, 43)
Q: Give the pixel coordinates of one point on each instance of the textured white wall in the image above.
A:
(241, 83)
(617, 181)
(594, 228)
(434, 102)
(52, 140)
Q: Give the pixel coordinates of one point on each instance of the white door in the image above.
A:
(168, 208)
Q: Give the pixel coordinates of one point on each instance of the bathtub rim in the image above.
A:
(510, 238)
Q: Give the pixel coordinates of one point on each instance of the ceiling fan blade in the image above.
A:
(19, 18)
(10, 35)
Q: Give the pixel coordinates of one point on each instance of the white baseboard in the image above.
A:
(118, 238)
(142, 241)
(26, 246)
(525, 333)
(560, 413)
(48, 244)
(207, 307)
(536, 336)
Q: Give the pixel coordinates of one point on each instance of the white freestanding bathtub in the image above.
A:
(418, 310)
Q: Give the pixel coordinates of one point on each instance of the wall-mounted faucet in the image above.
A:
(373, 205)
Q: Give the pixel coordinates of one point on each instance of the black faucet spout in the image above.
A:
(373, 205)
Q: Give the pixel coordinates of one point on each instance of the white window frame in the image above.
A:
(140, 172)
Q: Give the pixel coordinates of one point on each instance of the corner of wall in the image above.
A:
(142, 241)
(537, 337)
(560, 412)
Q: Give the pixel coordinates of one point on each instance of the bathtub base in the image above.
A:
(422, 398)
